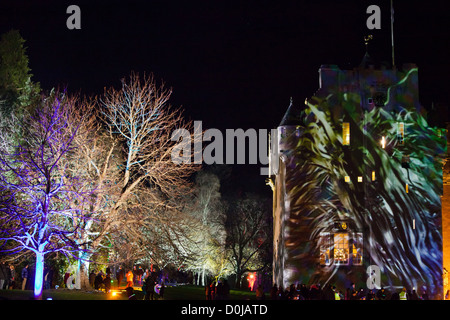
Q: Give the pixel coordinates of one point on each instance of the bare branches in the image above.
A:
(126, 157)
(139, 115)
(42, 204)
(100, 175)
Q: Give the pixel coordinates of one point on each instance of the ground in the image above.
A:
(181, 292)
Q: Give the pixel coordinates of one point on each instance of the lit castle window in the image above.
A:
(401, 132)
(346, 134)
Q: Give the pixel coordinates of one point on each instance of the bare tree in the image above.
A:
(42, 205)
(248, 235)
(140, 121)
(126, 156)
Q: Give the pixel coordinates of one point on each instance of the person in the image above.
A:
(3, 274)
(402, 294)
(151, 287)
(304, 292)
(337, 296)
(130, 293)
(135, 275)
(148, 288)
(328, 292)
(140, 273)
(161, 290)
(293, 293)
(381, 294)
(145, 275)
(351, 292)
(119, 276)
(219, 291)
(66, 277)
(280, 293)
(12, 277)
(46, 278)
(315, 292)
(98, 282)
(24, 275)
(107, 282)
(273, 292)
(212, 289)
(370, 295)
(91, 278)
(260, 293)
(361, 295)
(129, 279)
(208, 292)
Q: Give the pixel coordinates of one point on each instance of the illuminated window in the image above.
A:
(406, 188)
(360, 179)
(357, 249)
(326, 246)
(400, 132)
(373, 176)
(341, 248)
(347, 179)
(383, 142)
(346, 133)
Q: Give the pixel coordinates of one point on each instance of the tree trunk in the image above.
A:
(238, 283)
(203, 276)
(82, 270)
(39, 276)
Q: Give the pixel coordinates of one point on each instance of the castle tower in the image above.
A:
(446, 218)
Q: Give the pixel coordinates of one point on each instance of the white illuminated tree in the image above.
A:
(209, 234)
(139, 188)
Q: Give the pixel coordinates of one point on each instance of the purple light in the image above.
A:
(42, 204)
(39, 276)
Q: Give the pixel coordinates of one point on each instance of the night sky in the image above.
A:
(231, 64)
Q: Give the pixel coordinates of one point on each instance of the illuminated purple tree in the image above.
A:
(42, 206)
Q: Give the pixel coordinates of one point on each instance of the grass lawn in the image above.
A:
(191, 292)
(59, 294)
(182, 292)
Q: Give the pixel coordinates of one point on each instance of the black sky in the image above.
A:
(231, 64)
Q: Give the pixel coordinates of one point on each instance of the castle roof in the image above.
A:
(292, 115)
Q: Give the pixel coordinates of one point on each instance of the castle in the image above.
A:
(362, 182)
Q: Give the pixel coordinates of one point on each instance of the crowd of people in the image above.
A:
(10, 278)
(216, 290)
(100, 280)
(330, 292)
(136, 277)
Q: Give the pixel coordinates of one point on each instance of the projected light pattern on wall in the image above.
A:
(345, 201)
